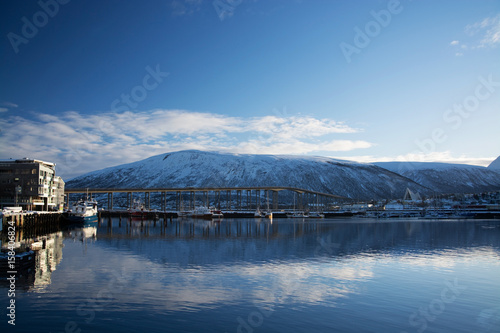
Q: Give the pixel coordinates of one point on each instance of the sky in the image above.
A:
(92, 84)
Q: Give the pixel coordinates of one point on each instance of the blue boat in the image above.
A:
(84, 211)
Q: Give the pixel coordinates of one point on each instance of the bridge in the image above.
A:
(253, 197)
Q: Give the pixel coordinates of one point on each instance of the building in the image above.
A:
(410, 196)
(31, 184)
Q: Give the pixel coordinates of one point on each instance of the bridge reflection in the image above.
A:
(197, 242)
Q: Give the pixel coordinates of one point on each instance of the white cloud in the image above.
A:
(297, 126)
(295, 146)
(462, 46)
(481, 34)
(445, 157)
(488, 31)
(9, 104)
(81, 143)
(476, 27)
(5, 106)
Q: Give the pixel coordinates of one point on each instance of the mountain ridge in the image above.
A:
(382, 180)
(495, 165)
(448, 177)
(193, 168)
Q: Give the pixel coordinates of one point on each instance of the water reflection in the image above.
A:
(197, 243)
(205, 242)
(331, 272)
(37, 256)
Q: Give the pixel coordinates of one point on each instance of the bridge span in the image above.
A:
(254, 195)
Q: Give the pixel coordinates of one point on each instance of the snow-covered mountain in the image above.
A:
(495, 165)
(210, 169)
(447, 177)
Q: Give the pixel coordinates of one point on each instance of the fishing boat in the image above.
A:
(205, 213)
(216, 214)
(83, 211)
(201, 213)
(137, 211)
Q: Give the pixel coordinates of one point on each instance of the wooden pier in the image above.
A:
(32, 222)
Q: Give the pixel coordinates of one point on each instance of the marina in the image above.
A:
(279, 254)
(28, 220)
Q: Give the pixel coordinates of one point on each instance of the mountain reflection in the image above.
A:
(190, 265)
(189, 242)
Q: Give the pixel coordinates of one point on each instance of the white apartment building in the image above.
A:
(31, 184)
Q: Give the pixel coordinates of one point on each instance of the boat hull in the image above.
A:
(203, 213)
(82, 219)
(202, 216)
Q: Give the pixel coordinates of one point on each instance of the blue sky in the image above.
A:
(94, 84)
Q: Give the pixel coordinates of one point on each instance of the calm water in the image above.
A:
(242, 275)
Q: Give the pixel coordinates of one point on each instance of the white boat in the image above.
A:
(205, 213)
(201, 213)
(12, 210)
(315, 215)
(216, 214)
(83, 211)
(296, 215)
(184, 214)
(258, 213)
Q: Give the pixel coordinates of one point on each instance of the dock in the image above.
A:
(27, 223)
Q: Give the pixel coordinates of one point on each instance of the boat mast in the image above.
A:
(267, 194)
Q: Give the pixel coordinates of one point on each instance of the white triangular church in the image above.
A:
(410, 196)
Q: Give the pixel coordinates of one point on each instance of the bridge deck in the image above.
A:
(201, 189)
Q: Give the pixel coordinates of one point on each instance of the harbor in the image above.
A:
(234, 254)
(33, 221)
